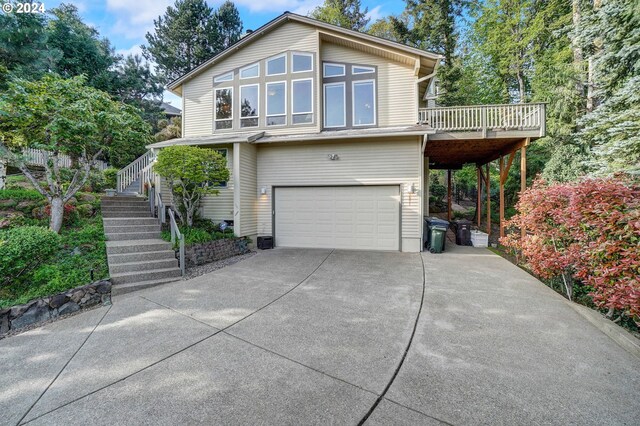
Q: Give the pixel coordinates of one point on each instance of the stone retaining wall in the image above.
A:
(51, 307)
(198, 254)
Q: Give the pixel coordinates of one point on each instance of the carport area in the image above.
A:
(301, 336)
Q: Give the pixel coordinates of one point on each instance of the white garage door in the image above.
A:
(345, 217)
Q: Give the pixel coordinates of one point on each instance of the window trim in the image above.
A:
(266, 104)
(240, 106)
(344, 103)
(215, 110)
(293, 113)
(343, 66)
(266, 64)
(353, 103)
(371, 70)
(255, 64)
(222, 77)
(308, 54)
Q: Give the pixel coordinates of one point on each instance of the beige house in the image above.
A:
(328, 136)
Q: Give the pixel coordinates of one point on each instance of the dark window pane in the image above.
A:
(249, 122)
(224, 103)
(249, 101)
(302, 118)
(277, 120)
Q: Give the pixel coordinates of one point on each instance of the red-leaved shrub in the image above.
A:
(587, 230)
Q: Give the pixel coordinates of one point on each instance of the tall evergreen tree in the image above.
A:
(432, 26)
(186, 36)
(83, 52)
(229, 24)
(344, 13)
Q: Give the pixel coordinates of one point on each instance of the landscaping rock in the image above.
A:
(85, 210)
(58, 300)
(68, 308)
(5, 204)
(38, 312)
(52, 307)
(26, 206)
(87, 198)
(198, 254)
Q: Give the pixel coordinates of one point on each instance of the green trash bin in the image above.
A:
(436, 241)
(435, 231)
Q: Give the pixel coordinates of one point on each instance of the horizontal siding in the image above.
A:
(397, 99)
(198, 92)
(248, 191)
(360, 163)
(220, 207)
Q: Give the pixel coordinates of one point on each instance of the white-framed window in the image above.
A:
(224, 77)
(302, 101)
(249, 105)
(224, 108)
(301, 62)
(363, 101)
(225, 153)
(333, 70)
(277, 65)
(335, 113)
(250, 71)
(359, 69)
(276, 103)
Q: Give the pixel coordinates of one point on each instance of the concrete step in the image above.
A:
(137, 277)
(124, 221)
(116, 259)
(137, 214)
(144, 246)
(147, 265)
(144, 207)
(119, 289)
(132, 236)
(117, 229)
(131, 199)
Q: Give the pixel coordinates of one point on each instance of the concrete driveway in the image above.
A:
(326, 337)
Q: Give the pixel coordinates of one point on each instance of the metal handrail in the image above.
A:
(175, 232)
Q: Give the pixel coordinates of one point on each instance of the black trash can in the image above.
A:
(434, 234)
(462, 229)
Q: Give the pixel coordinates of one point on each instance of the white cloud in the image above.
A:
(172, 99)
(301, 7)
(133, 50)
(375, 13)
(135, 17)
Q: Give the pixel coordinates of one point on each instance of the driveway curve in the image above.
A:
(297, 336)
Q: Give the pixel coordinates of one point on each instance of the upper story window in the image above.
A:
(302, 101)
(364, 103)
(276, 103)
(224, 108)
(224, 77)
(250, 71)
(357, 69)
(301, 62)
(333, 70)
(349, 95)
(249, 105)
(334, 105)
(277, 65)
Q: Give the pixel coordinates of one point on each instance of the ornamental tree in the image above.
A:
(192, 173)
(65, 117)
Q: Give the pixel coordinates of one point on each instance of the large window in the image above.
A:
(249, 105)
(301, 62)
(224, 108)
(334, 105)
(302, 101)
(276, 103)
(364, 103)
(277, 65)
(250, 71)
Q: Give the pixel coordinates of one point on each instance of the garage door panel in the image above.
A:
(361, 217)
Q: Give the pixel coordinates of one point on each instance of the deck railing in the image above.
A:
(133, 171)
(484, 117)
(36, 157)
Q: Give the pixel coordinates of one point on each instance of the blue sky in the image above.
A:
(125, 22)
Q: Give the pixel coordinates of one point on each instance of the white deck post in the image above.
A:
(3, 173)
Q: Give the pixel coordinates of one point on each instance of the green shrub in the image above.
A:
(110, 178)
(22, 249)
(85, 210)
(21, 195)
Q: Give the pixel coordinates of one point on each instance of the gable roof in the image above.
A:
(288, 16)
